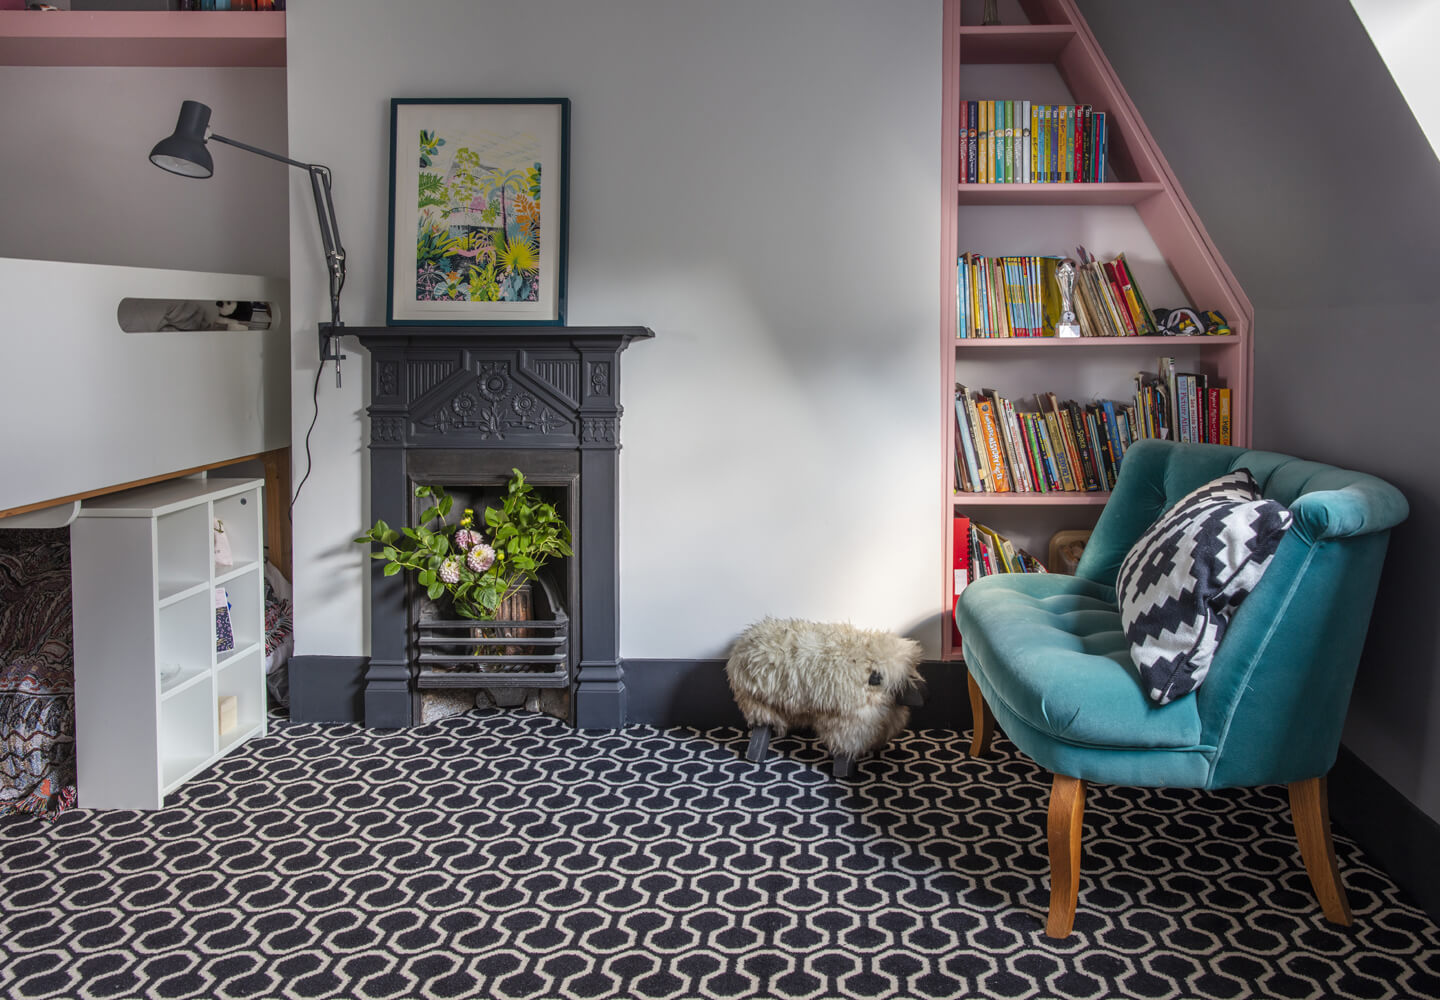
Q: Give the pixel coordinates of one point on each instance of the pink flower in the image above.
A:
(450, 571)
(465, 539)
(481, 558)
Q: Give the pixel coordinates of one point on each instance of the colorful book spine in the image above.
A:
(994, 450)
(1034, 175)
(1224, 437)
(1100, 150)
(983, 143)
(1002, 142)
(1022, 143)
(960, 565)
(1212, 415)
(972, 117)
(966, 444)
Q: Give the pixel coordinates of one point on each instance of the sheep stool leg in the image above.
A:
(844, 766)
(759, 743)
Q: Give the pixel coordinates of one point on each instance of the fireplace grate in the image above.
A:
(508, 653)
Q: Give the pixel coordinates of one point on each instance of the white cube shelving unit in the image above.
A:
(143, 579)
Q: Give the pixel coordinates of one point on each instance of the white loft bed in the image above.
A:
(88, 408)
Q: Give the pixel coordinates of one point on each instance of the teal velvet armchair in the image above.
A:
(1048, 659)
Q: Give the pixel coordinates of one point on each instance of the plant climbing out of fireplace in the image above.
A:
(477, 565)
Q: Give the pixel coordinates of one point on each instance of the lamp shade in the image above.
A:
(184, 152)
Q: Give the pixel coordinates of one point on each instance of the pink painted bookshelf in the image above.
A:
(142, 38)
(1056, 53)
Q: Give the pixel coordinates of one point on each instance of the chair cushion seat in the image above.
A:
(1051, 648)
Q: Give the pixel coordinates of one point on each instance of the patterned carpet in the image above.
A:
(505, 855)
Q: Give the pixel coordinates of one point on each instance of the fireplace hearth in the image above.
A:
(461, 407)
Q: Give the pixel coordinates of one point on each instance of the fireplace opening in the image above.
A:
(524, 659)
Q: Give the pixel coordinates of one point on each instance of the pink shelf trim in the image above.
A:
(142, 38)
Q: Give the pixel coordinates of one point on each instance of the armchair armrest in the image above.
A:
(1362, 507)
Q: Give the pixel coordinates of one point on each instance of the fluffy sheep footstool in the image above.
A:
(850, 685)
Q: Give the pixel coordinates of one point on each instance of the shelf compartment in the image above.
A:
(142, 38)
(247, 613)
(244, 677)
(1106, 193)
(185, 634)
(182, 547)
(187, 734)
(240, 514)
(1015, 43)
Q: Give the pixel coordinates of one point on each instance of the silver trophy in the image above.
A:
(1068, 326)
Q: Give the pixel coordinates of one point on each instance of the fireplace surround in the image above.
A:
(462, 405)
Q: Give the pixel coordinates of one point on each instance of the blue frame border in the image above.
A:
(564, 257)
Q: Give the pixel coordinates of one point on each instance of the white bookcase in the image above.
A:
(148, 680)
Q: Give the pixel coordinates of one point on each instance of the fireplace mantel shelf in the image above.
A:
(394, 336)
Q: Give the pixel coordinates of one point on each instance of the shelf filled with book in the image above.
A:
(1045, 53)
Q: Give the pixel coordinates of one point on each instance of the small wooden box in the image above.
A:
(229, 713)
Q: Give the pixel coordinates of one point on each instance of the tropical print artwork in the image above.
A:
(478, 232)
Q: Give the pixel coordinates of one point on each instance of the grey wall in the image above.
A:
(758, 182)
(1314, 180)
(78, 186)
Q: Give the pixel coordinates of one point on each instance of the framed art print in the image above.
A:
(479, 205)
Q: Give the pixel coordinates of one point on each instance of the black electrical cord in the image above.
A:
(314, 416)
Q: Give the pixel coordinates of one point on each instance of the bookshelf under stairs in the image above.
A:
(1044, 52)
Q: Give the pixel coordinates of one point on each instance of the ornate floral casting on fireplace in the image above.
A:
(464, 404)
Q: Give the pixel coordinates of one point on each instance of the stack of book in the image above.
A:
(981, 551)
(1108, 299)
(1197, 406)
(1007, 297)
(1018, 142)
(1065, 446)
(1019, 297)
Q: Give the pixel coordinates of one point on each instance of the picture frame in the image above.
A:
(479, 211)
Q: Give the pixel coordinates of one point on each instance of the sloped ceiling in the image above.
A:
(1292, 140)
(1405, 33)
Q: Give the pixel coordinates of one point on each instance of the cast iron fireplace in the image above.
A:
(463, 405)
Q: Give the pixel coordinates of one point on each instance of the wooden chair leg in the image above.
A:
(1067, 808)
(1310, 809)
(984, 721)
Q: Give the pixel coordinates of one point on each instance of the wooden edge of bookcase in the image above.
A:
(1081, 343)
(1055, 498)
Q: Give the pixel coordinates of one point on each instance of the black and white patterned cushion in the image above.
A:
(1181, 582)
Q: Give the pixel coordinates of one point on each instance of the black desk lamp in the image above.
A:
(184, 153)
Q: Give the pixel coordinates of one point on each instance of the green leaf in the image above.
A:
(422, 491)
(392, 569)
(389, 536)
(425, 578)
(435, 590)
(428, 513)
(446, 503)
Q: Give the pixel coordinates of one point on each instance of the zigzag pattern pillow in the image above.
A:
(1181, 582)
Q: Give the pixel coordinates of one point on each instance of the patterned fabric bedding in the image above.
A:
(279, 635)
(37, 674)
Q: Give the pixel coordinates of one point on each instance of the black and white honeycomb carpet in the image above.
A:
(506, 855)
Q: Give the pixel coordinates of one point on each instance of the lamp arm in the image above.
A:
(329, 239)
